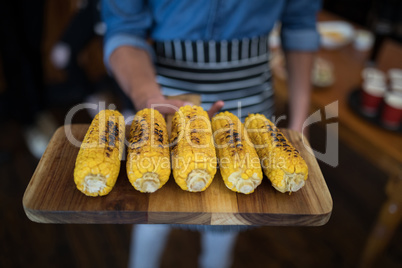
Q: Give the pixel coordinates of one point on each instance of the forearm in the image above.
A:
(299, 65)
(133, 70)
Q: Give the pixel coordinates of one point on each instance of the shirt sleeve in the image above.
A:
(299, 30)
(127, 23)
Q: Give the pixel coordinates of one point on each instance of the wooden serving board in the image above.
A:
(51, 196)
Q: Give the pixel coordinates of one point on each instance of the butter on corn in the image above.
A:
(193, 153)
(281, 162)
(98, 162)
(238, 161)
(148, 161)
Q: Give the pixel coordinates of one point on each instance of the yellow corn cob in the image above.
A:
(148, 162)
(98, 162)
(193, 151)
(281, 162)
(239, 163)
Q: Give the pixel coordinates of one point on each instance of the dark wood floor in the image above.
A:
(356, 187)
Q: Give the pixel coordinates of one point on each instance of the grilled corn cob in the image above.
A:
(239, 164)
(281, 162)
(193, 151)
(98, 162)
(148, 162)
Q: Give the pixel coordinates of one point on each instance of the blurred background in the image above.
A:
(51, 60)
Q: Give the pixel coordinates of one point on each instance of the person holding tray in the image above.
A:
(219, 50)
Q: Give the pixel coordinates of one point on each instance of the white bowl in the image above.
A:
(364, 40)
(335, 34)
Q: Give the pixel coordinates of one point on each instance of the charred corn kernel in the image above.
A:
(281, 162)
(193, 150)
(98, 162)
(148, 161)
(239, 163)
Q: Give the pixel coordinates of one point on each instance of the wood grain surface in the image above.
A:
(51, 196)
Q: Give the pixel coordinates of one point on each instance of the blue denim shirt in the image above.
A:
(132, 22)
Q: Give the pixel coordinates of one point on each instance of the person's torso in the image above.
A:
(213, 19)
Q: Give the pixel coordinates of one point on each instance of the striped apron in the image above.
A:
(235, 71)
